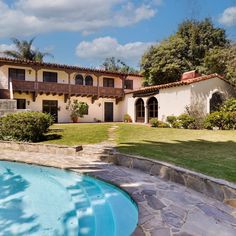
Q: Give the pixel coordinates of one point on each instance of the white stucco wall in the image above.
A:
(96, 109)
(202, 91)
(171, 101)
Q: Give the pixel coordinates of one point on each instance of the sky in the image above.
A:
(85, 32)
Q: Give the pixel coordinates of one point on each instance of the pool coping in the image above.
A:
(218, 189)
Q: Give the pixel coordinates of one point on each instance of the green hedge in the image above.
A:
(221, 120)
(25, 126)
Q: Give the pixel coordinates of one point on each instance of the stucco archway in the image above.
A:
(215, 101)
(139, 110)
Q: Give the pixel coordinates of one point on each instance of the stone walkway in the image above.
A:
(165, 208)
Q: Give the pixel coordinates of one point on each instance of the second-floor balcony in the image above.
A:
(66, 89)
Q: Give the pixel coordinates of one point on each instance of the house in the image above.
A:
(203, 93)
(48, 87)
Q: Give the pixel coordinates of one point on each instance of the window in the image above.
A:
(108, 82)
(79, 79)
(89, 80)
(20, 103)
(17, 74)
(50, 77)
(129, 84)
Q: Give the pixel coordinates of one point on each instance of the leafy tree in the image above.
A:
(183, 51)
(222, 61)
(24, 50)
(113, 64)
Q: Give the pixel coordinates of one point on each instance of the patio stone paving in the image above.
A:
(165, 208)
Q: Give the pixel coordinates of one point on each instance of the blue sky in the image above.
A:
(84, 32)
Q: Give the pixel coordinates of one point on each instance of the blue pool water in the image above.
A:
(51, 202)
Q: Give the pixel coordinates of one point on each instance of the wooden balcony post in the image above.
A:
(98, 93)
(36, 86)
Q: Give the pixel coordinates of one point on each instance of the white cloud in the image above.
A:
(228, 17)
(29, 17)
(5, 47)
(100, 48)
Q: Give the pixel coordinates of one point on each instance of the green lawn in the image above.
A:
(75, 134)
(209, 152)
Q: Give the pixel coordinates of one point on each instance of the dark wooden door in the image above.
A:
(108, 111)
(51, 107)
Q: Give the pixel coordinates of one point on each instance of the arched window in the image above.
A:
(79, 79)
(140, 111)
(216, 101)
(152, 108)
(89, 80)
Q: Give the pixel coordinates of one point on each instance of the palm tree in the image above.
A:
(24, 50)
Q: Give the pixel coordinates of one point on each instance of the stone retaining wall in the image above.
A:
(41, 148)
(215, 188)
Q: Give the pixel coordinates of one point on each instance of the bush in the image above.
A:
(177, 124)
(25, 126)
(171, 119)
(154, 122)
(196, 111)
(217, 119)
(186, 121)
(127, 118)
(163, 125)
(229, 105)
(160, 124)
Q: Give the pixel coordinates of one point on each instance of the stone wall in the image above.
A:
(7, 106)
(41, 148)
(218, 189)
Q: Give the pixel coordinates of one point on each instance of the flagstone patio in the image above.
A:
(165, 208)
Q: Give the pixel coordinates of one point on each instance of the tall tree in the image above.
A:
(113, 64)
(185, 50)
(222, 61)
(24, 50)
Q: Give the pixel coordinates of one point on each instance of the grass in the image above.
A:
(74, 134)
(209, 152)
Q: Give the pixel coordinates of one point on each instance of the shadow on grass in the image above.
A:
(49, 136)
(213, 158)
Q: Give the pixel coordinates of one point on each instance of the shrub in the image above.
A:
(216, 119)
(154, 122)
(171, 119)
(196, 111)
(162, 124)
(177, 124)
(127, 118)
(78, 109)
(229, 105)
(25, 126)
(186, 121)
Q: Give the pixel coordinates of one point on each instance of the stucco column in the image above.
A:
(146, 114)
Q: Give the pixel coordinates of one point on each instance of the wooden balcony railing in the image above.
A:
(73, 90)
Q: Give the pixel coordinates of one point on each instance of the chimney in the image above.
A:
(190, 75)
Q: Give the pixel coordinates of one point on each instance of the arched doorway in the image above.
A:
(152, 108)
(140, 111)
(216, 101)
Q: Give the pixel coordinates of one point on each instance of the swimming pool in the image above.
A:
(46, 201)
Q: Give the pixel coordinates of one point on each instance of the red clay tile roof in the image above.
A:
(62, 66)
(178, 83)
